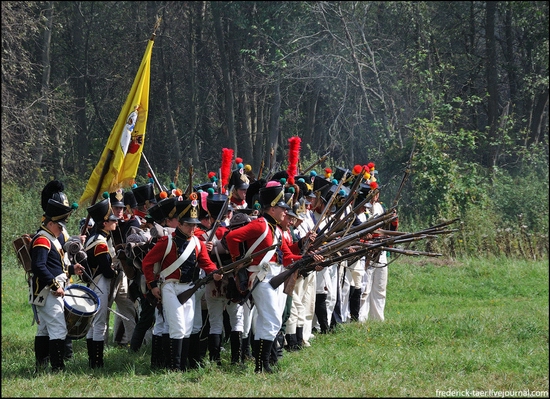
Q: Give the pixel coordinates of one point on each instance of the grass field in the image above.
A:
(473, 327)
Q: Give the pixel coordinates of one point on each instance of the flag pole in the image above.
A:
(120, 159)
(153, 173)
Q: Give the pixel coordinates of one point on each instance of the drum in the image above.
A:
(81, 305)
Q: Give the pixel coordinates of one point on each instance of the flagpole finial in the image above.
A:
(157, 24)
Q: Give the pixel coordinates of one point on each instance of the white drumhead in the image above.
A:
(80, 300)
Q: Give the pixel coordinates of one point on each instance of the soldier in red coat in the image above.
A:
(181, 254)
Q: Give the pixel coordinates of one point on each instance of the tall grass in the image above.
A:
(476, 321)
(470, 324)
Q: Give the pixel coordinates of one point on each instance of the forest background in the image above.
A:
(464, 84)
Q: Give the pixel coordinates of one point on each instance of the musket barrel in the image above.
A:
(185, 295)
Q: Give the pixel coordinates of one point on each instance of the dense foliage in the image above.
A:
(464, 84)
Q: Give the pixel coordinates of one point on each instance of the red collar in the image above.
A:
(139, 213)
(237, 201)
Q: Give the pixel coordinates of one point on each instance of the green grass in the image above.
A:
(474, 324)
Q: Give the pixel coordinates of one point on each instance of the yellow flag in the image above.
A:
(120, 159)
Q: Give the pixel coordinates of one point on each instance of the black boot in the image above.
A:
(68, 350)
(277, 348)
(262, 361)
(321, 312)
(355, 303)
(157, 354)
(41, 352)
(256, 349)
(299, 338)
(57, 350)
(99, 347)
(290, 342)
(236, 342)
(195, 351)
(185, 353)
(174, 356)
(214, 347)
(90, 345)
(245, 349)
(166, 350)
(256, 354)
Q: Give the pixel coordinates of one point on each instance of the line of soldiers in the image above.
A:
(144, 251)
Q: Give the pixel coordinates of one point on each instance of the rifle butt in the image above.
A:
(279, 279)
(290, 283)
(185, 295)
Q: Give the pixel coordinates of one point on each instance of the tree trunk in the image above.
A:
(38, 152)
(174, 149)
(492, 84)
(81, 123)
(228, 89)
(273, 143)
(311, 117)
(244, 122)
(539, 118)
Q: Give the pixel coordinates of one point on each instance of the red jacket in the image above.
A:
(250, 233)
(157, 252)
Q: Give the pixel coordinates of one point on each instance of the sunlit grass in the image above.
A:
(470, 324)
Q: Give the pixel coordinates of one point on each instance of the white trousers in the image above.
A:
(99, 328)
(52, 318)
(373, 298)
(269, 304)
(216, 305)
(178, 316)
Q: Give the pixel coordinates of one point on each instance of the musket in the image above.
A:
(157, 183)
(218, 221)
(336, 229)
(373, 247)
(314, 164)
(426, 232)
(176, 175)
(328, 205)
(306, 262)
(438, 227)
(345, 220)
(261, 170)
(351, 197)
(335, 244)
(185, 295)
(350, 256)
(409, 252)
(378, 221)
(345, 242)
(189, 188)
(272, 171)
(279, 279)
(271, 156)
(326, 249)
(405, 176)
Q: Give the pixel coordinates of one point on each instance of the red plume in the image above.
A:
(227, 159)
(293, 157)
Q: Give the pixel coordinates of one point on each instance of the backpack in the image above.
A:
(22, 246)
